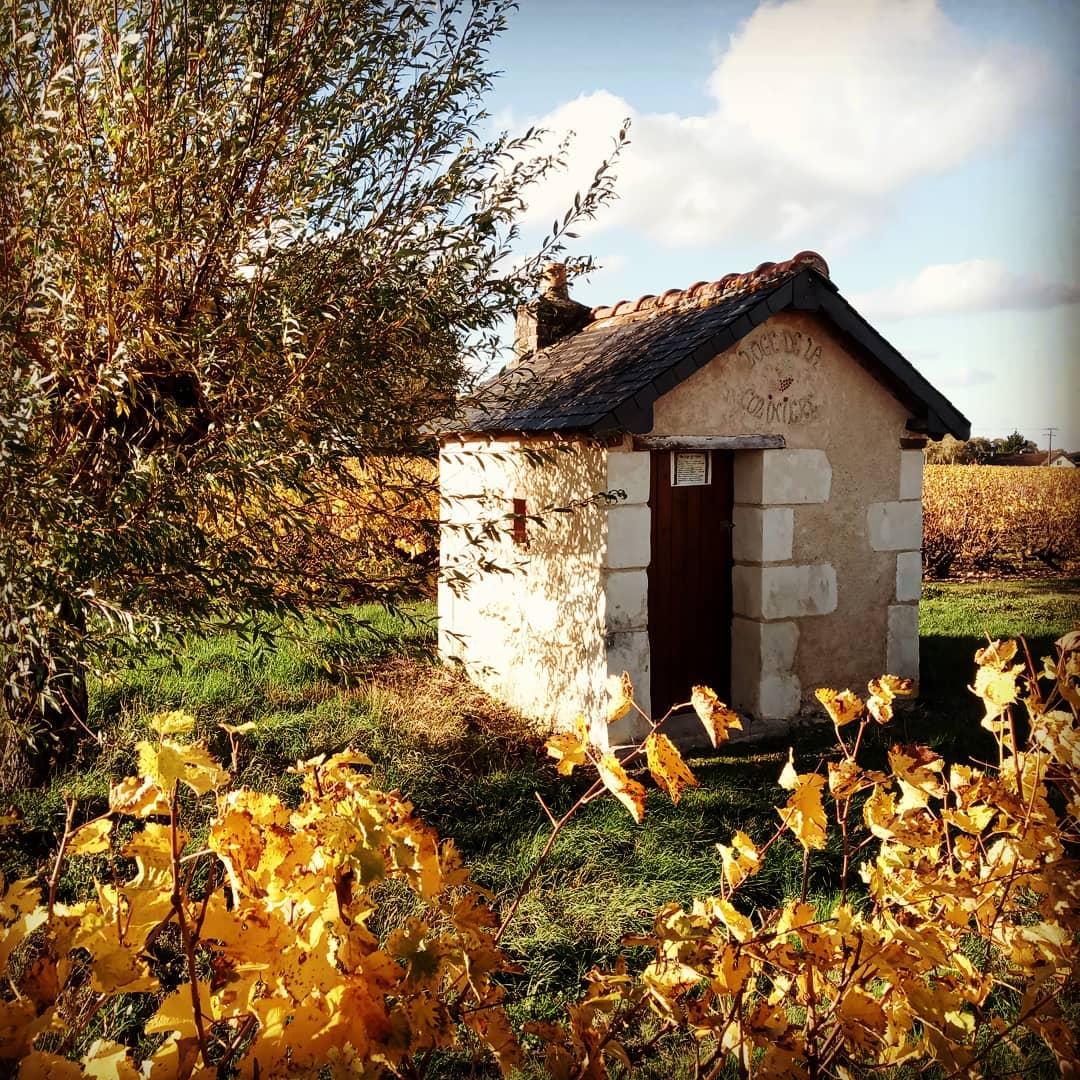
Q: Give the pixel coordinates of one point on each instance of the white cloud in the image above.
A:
(821, 110)
(975, 285)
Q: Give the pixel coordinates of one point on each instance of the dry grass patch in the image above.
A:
(440, 705)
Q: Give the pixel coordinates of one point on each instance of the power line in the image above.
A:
(1050, 444)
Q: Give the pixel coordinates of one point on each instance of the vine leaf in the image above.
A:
(740, 860)
(804, 813)
(717, 718)
(667, 766)
(187, 763)
(842, 707)
(621, 692)
(570, 748)
(91, 838)
(629, 792)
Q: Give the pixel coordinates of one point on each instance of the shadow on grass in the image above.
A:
(956, 620)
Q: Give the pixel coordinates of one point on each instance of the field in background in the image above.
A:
(994, 519)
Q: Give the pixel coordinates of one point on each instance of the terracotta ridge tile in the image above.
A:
(700, 292)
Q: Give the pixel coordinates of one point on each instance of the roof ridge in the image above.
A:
(705, 292)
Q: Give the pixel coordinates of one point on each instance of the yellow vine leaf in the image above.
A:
(864, 1020)
(20, 915)
(173, 1059)
(177, 722)
(175, 1012)
(189, 763)
(493, 1028)
(842, 707)
(569, 749)
(667, 766)
(107, 1060)
(997, 688)
(118, 969)
(137, 797)
(238, 729)
(997, 654)
(846, 778)
(730, 970)
(91, 838)
(740, 860)
(742, 929)
(918, 772)
(789, 778)
(717, 718)
(629, 792)
(1061, 1042)
(804, 813)
(892, 685)
(621, 696)
(16, 1028)
(883, 691)
(39, 1065)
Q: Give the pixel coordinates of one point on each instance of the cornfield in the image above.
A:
(997, 518)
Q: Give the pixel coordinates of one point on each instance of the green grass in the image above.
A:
(958, 618)
(471, 767)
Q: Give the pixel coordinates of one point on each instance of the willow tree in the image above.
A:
(244, 246)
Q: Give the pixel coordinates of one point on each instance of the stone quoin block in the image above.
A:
(779, 696)
(908, 576)
(911, 474)
(628, 536)
(894, 526)
(783, 592)
(759, 646)
(902, 642)
(627, 594)
(629, 472)
(782, 477)
(762, 534)
(629, 652)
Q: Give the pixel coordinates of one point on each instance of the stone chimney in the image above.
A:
(552, 316)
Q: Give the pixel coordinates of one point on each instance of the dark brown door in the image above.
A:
(690, 579)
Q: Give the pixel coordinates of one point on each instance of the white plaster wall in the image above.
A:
(532, 632)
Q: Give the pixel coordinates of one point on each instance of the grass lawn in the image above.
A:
(471, 767)
(957, 618)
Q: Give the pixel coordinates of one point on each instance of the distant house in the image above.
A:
(1058, 458)
(766, 444)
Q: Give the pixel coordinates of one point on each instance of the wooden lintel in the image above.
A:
(709, 442)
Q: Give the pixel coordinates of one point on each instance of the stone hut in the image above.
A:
(718, 485)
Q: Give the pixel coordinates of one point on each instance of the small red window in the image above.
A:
(521, 536)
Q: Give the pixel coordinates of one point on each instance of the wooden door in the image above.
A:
(690, 578)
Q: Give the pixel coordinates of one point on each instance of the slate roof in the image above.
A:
(604, 379)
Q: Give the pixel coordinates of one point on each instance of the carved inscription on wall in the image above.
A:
(780, 365)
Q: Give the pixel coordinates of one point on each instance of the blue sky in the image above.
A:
(929, 150)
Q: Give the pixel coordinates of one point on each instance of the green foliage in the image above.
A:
(249, 252)
(1014, 444)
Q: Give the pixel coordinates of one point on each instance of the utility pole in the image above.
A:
(1049, 443)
